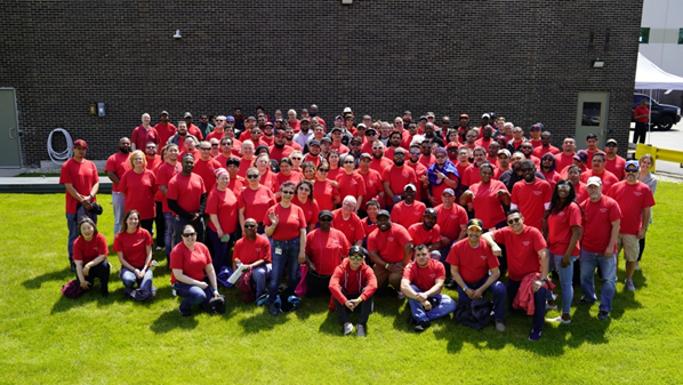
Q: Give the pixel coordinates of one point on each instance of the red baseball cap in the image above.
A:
(81, 143)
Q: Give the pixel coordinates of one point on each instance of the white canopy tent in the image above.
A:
(650, 77)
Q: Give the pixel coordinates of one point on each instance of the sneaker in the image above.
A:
(587, 301)
(560, 320)
(348, 328)
(630, 286)
(360, 330)
(550, 305)
(274, 309)
(603, 315)
(500, 326)
(421, 326)
(535, 335)
(262, 299)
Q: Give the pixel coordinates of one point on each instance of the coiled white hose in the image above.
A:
(60, 157)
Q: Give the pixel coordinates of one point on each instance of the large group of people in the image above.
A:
(290, 206)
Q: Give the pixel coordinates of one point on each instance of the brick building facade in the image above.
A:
(526, 60)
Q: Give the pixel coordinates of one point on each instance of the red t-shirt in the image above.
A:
(373, 185)
(580, 192)
(487, 204)
(118, 164)
(406, 215)
(237, 184)
(632, 199)
(224, 205)
(352, 184)
(207, 170)
(563, 160)
(368, 226)
(82, 176)
(133, 246)
(542, 150)
(424, 277)
(187, 191)
(139, 190)
(521, 250)
(473, 263)
(616, 166)
(315, 159)
(352, 227)
(86, 251)
(215, 134)
(163, 175)
(641, 110)
(250, 251)
(551, 177)
(560, 229)
(427, 160)
(268, 179)
(399, 177)
(326, 249)
(292, 220)
(597, 223)
(279, 153)
(192, 263)
(531, 199)
(141, 136)
(471, 175)
(153, 162)
(245, 164)
(608, 179)
(192, 129)
(256, 202)
(451, 221)
(310, 208)
(421, 236)
(294, 177)
(380, 164)
(389, 244)
(324, 192)
(165, 130)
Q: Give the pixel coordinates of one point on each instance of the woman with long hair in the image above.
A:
(90, 256)
(304, 199)
(139, 187)
(133, 246)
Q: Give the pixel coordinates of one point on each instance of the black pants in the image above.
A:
(160, 223)
(100, 272)
(317, 285)
(344, 313)
(639, 133)
(148, 224)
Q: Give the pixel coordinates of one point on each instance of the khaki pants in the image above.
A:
(385, 276)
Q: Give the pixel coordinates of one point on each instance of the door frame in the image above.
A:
(601, 130)
(18, 130)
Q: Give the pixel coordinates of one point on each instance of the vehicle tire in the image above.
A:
(665, 123)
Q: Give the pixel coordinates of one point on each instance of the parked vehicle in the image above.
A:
(663, 116)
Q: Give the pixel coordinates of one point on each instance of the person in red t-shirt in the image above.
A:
(408, 211)
(563, 235)
(370, 221)
(427, 232)
(546, 145)
(475, 269)
(133, 246)
(422, 283)
(253, 253)
(304, 199)
(352, 285)
(613, 162)
(347, 221)
(187, 199)
(165, 128)
(527, 258)
(164, 173)
(325, 249)
(286, 227)
(452, 220)
(598, 169)
(117, 165)
(325, 191)
(81, 181)
(641, 115)
(191, 267)
(531, 195)
(566, 157)
(487, 198)
(350, 181)
(221, 232)
(255, 200)
(144, 133)
(90, 256)
(206, 166)
(397, 176)
(601, 222)
(374, 188)
(635, 200)
(138, 186)
(391, 249)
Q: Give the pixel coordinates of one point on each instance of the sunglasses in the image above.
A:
(323, 169)
(297, 158)
(325, 219)
(187, 235)
(514, 220)
(348, 162)
(356, 257)
(252, 176)
(205, 149)
(249, 226)
(214, 145)
(287, 192)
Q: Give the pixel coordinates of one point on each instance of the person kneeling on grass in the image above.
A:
(134, 247)
(191, 267)
(352, 285)
(422, 283)
(90, 256)
(253, 253)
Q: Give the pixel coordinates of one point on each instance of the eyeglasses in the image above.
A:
(205, 148)
(252, 176)
(249, 226)
(226, 144)
(356, 257)
(214, 145)
(323, 169)
(348, 162)
(304, 190)
(287, 192)
(297, 158)
(151, 147)
(187, 235)
(514, 220)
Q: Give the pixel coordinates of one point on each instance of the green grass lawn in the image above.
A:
(47, 339)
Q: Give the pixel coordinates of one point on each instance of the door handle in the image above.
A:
(9, 133)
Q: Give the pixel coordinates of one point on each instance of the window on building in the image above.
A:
(644, 36)
(680, 36)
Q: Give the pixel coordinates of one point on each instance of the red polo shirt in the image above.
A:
(473, 263)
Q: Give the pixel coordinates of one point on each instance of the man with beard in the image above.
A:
(486, 137)
(305, 135)
(191, 128)
(280, 149)
(428, 232)
(117, 165)
(598, 169)
(187, 199)
(531, 196)
(165, 128)
(397, 176)
(390, 248)
(379, 162)
(179, 137)
(546, 146)
(394, 143)
(408, 211)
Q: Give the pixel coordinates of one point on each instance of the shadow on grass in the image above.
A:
(172, 319)
(262, 321)
(38, 281)
(64, 304)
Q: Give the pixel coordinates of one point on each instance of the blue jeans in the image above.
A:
(169, 227)
(192, 296)
(566, 276)
(118, 201)
(539, 302)
(259, 277)
(497, 290)
(130, 279)
(221, 252)
(608, 269)
(442, 305)
(72, 225)
(285, 259)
